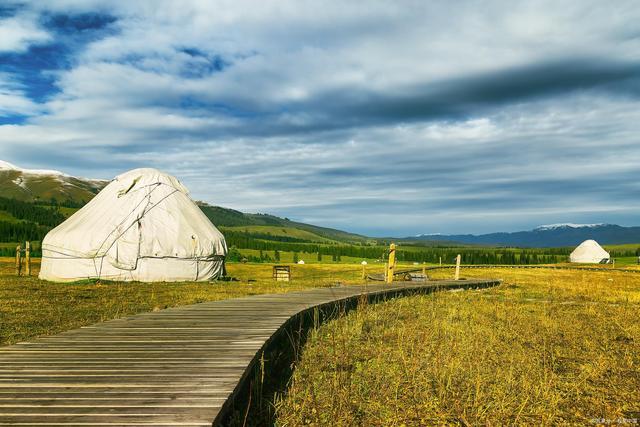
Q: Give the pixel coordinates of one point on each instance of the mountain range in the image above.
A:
(554, 235)
(31, 185)
(42, 186)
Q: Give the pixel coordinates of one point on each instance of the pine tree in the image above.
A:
(295, 257)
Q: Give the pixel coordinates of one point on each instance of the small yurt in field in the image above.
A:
(589, 252)
(144, 227)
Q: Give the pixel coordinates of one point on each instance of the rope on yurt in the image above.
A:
(147, 208)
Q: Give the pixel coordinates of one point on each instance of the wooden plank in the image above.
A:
(180, 366)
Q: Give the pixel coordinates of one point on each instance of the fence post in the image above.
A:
(364, 271)
(27, 258)
(392, 263)
(18, 260)
(457, 276)
(440, 261)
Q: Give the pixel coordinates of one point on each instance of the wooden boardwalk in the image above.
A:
(177, 367)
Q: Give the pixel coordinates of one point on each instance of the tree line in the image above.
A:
(485, 256)
(26, 211)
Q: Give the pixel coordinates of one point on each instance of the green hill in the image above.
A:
(38, 185)
(34, 201)
(269, 224)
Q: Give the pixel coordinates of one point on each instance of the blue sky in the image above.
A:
(397, 118)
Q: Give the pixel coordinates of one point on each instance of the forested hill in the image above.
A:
(36, 200)
(23, 215)
(275, 226)
(21, 221)
(34, 185)
(31, 220)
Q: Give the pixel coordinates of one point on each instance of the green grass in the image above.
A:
(626, 261)
(281, 231)
(545, 348)
(224, 217)
(623, 247)
(30, 307)
(7, 217)
(67, 212)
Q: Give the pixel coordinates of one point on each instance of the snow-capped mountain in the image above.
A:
(553, 235)
(6, 166)
(45, 184)
(566, 225)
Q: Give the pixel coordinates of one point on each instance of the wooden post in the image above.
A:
(27, 258)
(613, 262)
(440, 261)
(18, 260)
(364, 271)
(424, 270)
(392, 263)
(457, 276)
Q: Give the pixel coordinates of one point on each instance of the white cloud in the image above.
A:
(19, 32)
(274, 129)
(13, 99)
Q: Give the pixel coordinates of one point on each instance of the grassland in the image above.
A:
(545, 348)
(626, 261)
(30, 307)
(309, 258)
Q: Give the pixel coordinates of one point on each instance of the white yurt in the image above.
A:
(589, 252)
(144, 227)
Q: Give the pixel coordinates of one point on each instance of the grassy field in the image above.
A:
(30, 307)
(626, 261)
(545, 348)
(310, 258)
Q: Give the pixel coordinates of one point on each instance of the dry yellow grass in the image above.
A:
(545, 348)
(30, 307)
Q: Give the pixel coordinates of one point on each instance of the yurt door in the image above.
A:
(126, 250)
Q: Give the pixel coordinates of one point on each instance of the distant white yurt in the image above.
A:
(301, 262)
(589, 252)
(144, 227)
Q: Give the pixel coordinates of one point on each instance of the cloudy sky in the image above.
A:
(385, 118)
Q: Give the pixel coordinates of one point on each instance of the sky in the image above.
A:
(389, 118)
